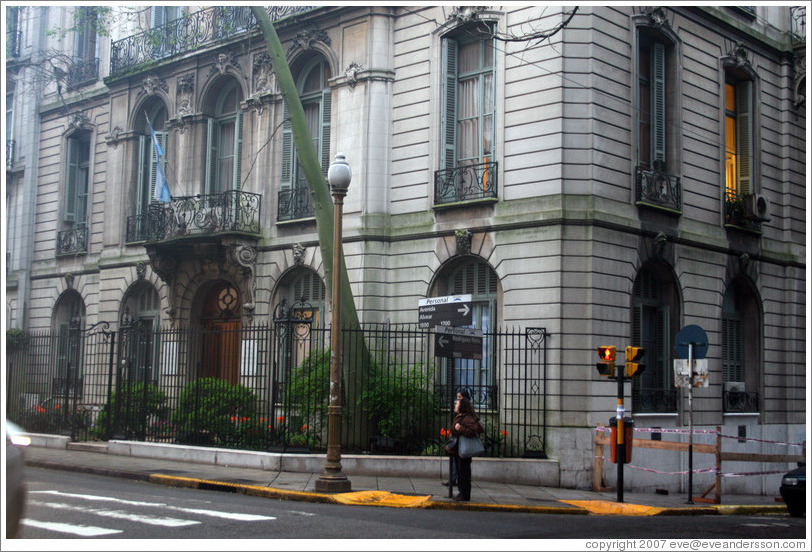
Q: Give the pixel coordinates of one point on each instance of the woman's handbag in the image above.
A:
(451, 446)
(470, 446)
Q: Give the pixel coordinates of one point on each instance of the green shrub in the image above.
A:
(309, 390)
(136, 405)
(214, 411)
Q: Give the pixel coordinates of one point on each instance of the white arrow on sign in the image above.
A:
(442, 341)
(464, 310)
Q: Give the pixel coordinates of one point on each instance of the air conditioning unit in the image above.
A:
(734, 387)
(756, 207)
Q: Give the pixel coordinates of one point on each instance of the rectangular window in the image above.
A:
(85, 66)
(78, 175)
(738, 138)
(467, 166)
(651, 94)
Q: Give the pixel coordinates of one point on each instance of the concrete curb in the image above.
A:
(324, 498)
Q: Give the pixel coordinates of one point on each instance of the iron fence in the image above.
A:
(265, 387)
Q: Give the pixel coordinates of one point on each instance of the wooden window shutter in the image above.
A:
(744, 133)
(211, 157)
(658, 101)
(449, 107)
(662, 346)
(326, 116)
(237, 183)
(144, 197)
(71, 185)
(287, 151)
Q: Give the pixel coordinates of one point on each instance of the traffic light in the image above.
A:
(633, 356)
(606, 366)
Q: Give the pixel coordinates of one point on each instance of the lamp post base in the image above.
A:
(329, 484)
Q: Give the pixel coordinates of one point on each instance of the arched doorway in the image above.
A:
(221, 324)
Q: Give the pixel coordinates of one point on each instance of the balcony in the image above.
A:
(294, 204)
(739, 401)
(197, 216)
(740, 214)
(10, 154)
(82, 72)
(72, 242)
(658, 189)
(199, 29)
(654, 400)
(466, 183)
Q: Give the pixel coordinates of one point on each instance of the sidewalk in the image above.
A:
(379, 490)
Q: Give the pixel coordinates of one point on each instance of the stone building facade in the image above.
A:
(612, 175)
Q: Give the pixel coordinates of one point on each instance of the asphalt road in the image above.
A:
(65, 505)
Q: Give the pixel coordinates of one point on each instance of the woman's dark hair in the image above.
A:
(464, 393)
(466, 407)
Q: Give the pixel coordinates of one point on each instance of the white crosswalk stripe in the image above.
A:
(212, 513)
(118, 514)
(81, 530)
(85, 504)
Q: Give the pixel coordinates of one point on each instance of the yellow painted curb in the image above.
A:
(382, 498)
(605, 507)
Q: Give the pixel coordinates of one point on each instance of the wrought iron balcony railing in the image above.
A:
(797, 16)
(201, 28)
(228, 212)
(658, 189)
(294, 204)
(466, 183)
(72, 242)
(10, 153)
(740, 401)
(654, 400)
(83, 71)
(737, 213)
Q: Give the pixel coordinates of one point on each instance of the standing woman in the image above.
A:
(466, 422)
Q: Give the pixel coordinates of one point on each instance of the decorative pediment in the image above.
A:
(466, 14)
(78, 121)
(737, 55)
(657, 16)
(112, 138)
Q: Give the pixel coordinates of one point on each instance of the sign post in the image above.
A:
(693, 342)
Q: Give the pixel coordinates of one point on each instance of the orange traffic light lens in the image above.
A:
(606, 353)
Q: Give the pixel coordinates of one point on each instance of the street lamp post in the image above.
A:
(332, 480)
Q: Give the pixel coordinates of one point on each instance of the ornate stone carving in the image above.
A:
(298, 254)
(352, 74)
(223, 61)
(659, 244)
(262, 73)
(306, 38)
(79, 121)
(112, 138)
(466, 14)
(463, 237)
(185, 88)
(744, 262)
(151, 84)
(657, 16)
(799, 79)
(141, 269)
(738, 54)
(245, 256)
(69, 280)
(164, 266)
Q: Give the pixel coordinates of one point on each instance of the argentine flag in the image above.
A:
(161, 185)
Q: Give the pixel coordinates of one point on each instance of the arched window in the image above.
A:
(138, 344)
(654, 314)
(303, 293)
(69, 320)
(474, 276)
(316, 96)
(224, 139)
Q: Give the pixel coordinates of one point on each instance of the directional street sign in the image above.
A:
(458, 343)
(449, 311)
(694, 336)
